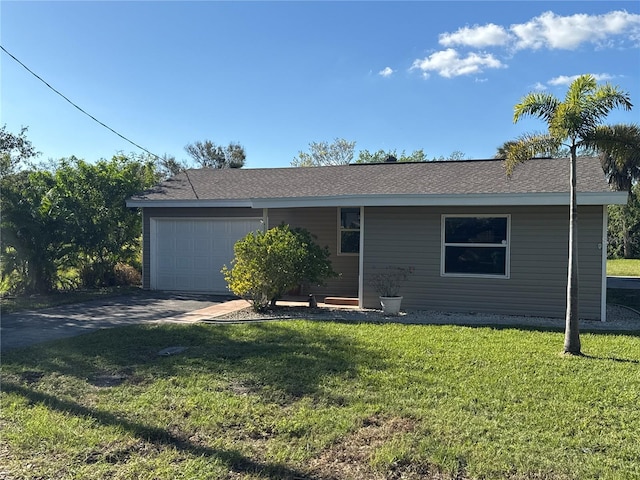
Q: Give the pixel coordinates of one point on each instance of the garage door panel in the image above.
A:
(188, 254)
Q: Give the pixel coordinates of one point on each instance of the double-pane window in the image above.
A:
(475, 245)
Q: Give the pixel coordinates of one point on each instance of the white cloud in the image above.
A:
(448, 63)
(556, 32)
(566, 79)
(477, 36)
(539, 86)
(547, 30)
(386, 72)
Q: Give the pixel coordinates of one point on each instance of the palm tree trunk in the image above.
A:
(571, 332)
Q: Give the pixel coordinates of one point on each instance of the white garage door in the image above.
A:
(187, 254)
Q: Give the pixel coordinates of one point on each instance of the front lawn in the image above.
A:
(623, 267)
(322, 400)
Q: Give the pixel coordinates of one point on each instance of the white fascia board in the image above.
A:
(490, 199)
(189, 203)
(597, 198)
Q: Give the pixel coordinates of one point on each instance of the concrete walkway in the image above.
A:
(209, 313)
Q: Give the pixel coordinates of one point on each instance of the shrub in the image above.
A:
(268, 264)
(127, 275)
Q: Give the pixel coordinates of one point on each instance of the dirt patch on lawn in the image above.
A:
(351, 457)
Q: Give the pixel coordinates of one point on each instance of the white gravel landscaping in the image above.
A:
(618, 318)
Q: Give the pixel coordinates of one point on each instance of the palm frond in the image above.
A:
(619, 152)
(537, 104)
(526, 147)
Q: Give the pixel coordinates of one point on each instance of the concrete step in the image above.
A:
(349, 301)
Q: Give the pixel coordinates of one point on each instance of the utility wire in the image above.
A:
(83, 111)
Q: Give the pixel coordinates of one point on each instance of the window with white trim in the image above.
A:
(348, 230)
(475, 245)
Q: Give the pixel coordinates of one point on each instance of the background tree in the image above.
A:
(364, 156)
(268, 264)
(456, 155)
(619, 147)
(209, 155)
(623, 229)
(90, 199)
(71, 217)
(619, 152)
(14, 149)
(34, 247)
(340, 152)
(572, 123)
(167, 166)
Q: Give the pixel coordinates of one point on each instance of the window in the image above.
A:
(349, 231)
(475, 246)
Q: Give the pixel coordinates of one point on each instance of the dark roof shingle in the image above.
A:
(479, 177)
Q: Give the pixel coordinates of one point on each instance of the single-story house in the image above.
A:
(473, 239)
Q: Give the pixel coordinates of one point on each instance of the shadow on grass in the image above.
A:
(279, 362)
(233, 459)
(282, 360)
(611, 359)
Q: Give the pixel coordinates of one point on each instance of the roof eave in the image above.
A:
(498, 199)
(401, 200)
(146, 203)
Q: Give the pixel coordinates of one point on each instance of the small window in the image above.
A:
(349, 231)
(475, 246)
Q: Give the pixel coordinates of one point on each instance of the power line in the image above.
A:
(83, 111)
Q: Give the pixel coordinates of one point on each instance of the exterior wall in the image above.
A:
(148, 213)
(411, 237)
(323, 223)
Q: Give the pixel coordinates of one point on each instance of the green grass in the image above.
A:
(623, 267)
(313, 400)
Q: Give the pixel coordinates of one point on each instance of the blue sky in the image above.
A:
(275, 76)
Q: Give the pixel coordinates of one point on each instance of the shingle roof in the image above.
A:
(380, 181)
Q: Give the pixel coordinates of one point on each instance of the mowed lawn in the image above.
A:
(624, 267)
(322, 400)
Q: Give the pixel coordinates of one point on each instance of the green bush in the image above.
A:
(268, 264)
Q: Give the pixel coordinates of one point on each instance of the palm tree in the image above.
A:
(619, 155)
(572, 123)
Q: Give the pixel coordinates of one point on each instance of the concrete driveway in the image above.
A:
(26, 328)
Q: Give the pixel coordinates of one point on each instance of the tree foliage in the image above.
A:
(168, 166)
(268, 264)
(619, 147)
(71, 217)
(456, 155)
(90, 199)
(209, 155)
(624, 227)
(574, 123)
(34, 243)
(381, 156)
(14, 149)
(340, 152)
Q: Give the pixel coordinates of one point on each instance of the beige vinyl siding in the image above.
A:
(323, 223)
(411, 237)
(148, 213)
